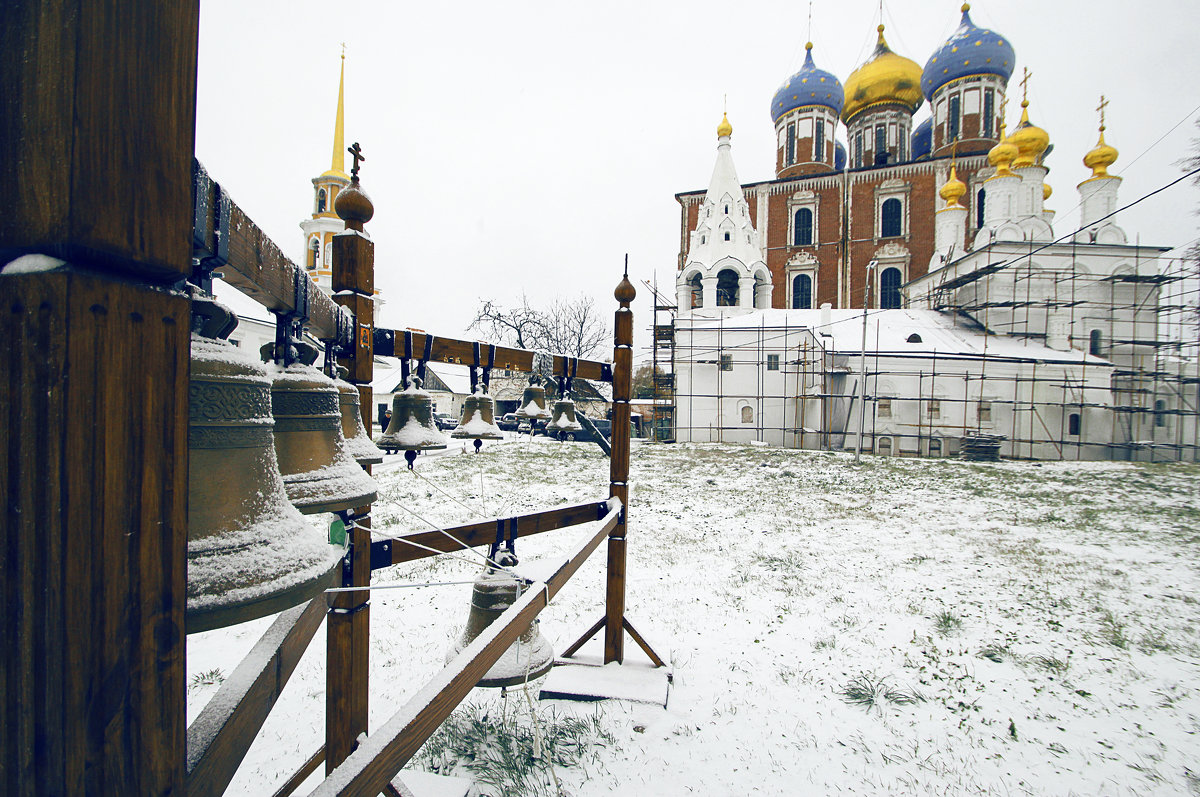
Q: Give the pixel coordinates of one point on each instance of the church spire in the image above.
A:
(338, 167)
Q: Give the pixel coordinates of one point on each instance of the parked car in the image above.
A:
(509, 422)
(444, 422)
(603, 426)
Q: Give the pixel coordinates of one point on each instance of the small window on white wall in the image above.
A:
(772, 362)
(747, 415)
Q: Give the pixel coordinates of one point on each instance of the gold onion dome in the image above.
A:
(953, 189)
(1031, 140)
(724, 129)
(1002, 155)
(1046, 191)
(885, 79)
(1100, 158)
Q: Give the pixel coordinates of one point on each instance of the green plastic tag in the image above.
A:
(337, 533)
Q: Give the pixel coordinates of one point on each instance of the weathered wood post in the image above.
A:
(97, 129)
(348, 633)
(614, 602)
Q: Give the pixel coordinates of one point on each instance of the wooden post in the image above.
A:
(347, 674)
(97, 120)
(614, 601)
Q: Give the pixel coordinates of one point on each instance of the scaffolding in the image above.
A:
(662, 421)
(1115, 372)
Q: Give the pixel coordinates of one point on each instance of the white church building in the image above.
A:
(1055, 348)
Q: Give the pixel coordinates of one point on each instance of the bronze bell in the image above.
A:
(250, 552)
(533, 402)
(530, 657)
(564, 420)
(357, 440)
(478, 418)
(411, 428)
(319, 473)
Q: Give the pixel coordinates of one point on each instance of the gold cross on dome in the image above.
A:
(1103, 104)
(1025, 86)
(356, 153)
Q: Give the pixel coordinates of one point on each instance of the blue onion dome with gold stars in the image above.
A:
(885, 79)
(970, 51)
(922, 140)
(839, 156)
(809, 86)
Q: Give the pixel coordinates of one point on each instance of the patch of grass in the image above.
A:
(825, 642)
(1154, 641)
(1114, 631)
(207, 678)
(1051, 664)
(870, 691)
(994, 652)
(947, 623)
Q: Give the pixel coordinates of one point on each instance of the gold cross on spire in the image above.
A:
(1103, 104)
(1025, 87)
(343, 51)
(810, 20)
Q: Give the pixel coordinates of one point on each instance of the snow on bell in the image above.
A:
(411, 428)
(357, 440)
(533, 403)
(250, 553)
(564, 420)
(319, 472)
(478, 418)
(531, 656)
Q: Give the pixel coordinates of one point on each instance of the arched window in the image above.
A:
(883, 447)
(321, 201)
(727, 288)
(747, 414)
(804, 231)
(697, 291)
(802, 292)
(314, 248)
(914, 338)
(1160, 413)
(726, 236)
(1073, 424)
(889, 288)
(980, 198)
(890, 222)
(1096, 343)
(935, 446)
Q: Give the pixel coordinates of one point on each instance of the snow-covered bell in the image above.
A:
(357, 440)
(319, 472)
(533, 403)
(250, 553)
(531, 656)
(478, 418)
(564, 420)
(412, 428)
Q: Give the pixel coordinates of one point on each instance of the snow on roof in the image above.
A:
(892, 332)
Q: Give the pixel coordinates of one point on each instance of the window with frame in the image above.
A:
(726, 362)
(880, 145)
(772, 362)
(1160, 413)
(747, 414)
(314, 249)
(984, 412)
(802, 292)
(954, 118)
(891, 221)
(791, 144)
(1073, 424)
(883, 446)
(1096, 343)
(803, 233)
(935, 446)
(934, 408)
(980, 199)
(989, 111)
(321, 201)
(819, 141)
(858, 150)
(727, 287)
(883, 407)
(889, 289)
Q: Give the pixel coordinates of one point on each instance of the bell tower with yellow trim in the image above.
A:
(324, 224)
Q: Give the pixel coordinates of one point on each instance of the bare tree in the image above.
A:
(571, 327)
(520, 326)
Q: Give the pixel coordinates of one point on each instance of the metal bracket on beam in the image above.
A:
(381, 554)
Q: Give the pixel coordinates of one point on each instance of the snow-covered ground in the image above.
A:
(894, 627)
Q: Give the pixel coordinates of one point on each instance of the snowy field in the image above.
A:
(895, 627)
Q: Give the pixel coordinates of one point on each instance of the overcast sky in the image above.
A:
(527, 146)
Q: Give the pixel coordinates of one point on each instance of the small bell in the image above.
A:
(411, 428)
(319, 473)
(478, 419)
(250, 552)
(533, 403)
(564, 420)
(357, 440)
(531, 656)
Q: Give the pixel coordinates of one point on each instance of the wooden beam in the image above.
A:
(614, 598)
(301, 775)
(377, 760)
(256, 266)
(390, 343)
(219, 738)
(483, 532)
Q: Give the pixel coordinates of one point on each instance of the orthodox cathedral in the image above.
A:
(975, 320)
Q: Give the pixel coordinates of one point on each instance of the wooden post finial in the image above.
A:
(625, 292)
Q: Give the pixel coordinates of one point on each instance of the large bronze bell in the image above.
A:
(250, 552)
(319, 473)
(411, 428)
(564, 420)
(530, 657)
(358, 442)
(478, 418)
(533, 402)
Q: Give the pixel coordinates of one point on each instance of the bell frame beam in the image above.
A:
(381, 756)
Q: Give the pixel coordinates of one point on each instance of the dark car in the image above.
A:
(602, 425)
(444, 421)
(509, 422)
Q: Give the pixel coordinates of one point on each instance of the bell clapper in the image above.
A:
(478, 445)
(410, 457)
